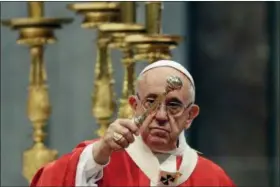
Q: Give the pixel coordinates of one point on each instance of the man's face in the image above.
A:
(173, 115)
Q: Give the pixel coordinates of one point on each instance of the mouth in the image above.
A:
(163, 133)
(159, 129)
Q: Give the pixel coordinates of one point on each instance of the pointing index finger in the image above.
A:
(147, 121)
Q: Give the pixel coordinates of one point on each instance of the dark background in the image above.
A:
(234, 56)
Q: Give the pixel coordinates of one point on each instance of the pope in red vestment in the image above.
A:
(123, 171)
(156, 156)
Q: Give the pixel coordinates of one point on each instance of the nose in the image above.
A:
(161, 115)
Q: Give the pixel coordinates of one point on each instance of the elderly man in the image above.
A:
(155, 154)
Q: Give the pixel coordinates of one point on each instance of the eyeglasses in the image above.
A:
(175, 108)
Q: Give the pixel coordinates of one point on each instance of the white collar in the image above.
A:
(149, 164)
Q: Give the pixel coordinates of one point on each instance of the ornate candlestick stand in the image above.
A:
(118, 32)
(36, 32)
(103, 96)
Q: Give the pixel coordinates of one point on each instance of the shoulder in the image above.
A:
(212, 171)
(209, 165)
(74, 154)
(83, 144)
(59, 168)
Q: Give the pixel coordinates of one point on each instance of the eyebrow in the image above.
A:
(174, 99)
(154, 95)
(151, 95)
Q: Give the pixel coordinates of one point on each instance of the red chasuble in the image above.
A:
(123, 171)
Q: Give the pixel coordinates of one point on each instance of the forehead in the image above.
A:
(154, 82)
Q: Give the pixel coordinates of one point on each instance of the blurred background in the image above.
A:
(231, 49)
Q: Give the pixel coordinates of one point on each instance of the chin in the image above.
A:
(156, 141)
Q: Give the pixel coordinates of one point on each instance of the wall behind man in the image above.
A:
(231, 52)
(69, 64)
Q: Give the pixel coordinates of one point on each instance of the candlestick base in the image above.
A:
(35, 157)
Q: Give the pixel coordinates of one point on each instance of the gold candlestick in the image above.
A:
(35, 32)
(117, 32)
(103, 96)
(153, 45)
(128, 15)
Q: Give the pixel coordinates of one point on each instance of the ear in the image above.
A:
(132, 102)
(193, 113)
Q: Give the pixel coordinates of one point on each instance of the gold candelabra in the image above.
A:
(116, 27)
(36, 31)
(103, 96)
